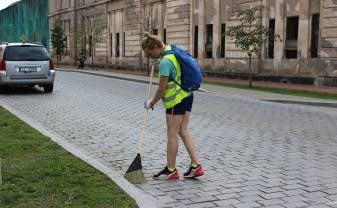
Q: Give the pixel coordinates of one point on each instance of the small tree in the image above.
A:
(57, 39)
(249, 35)
(82, 57)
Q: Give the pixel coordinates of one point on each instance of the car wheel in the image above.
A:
(2, 88)
(48, 88)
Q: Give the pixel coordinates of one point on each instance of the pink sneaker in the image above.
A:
(167, 174)
(194, 172)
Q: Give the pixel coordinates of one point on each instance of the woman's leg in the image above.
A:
(187, 138)
(173, 126)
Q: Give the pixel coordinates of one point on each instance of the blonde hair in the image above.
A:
(151, 41)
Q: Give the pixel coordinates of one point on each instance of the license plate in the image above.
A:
(27, 69)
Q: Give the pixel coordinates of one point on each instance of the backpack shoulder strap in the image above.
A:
(164, 54)
(168, 52)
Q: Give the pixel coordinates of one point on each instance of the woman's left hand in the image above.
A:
(148, 104)
(152, 104)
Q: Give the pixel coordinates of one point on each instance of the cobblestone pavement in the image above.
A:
(255, 154)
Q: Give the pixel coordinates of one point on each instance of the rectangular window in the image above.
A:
(90, 46)
(314, 35)
(196, 41)
(292, 37)
(123, 44)
(209, 41)
(26, 53)
(65, 52)
(292, 28)
(164, 36)
(117, 45)
(223, 40)
(154, 31)
(271, 40)
(111, 46)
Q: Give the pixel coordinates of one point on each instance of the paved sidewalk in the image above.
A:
(265, 96)
(312, 88)
(256, 154)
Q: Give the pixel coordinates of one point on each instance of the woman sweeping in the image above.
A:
(178, 104)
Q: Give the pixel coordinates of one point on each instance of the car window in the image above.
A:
(26, 53)
(1, 52)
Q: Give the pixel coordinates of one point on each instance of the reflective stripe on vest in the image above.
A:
(174, 94)
(172, 97)
(171, 86)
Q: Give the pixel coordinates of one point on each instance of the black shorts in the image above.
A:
(181, 108)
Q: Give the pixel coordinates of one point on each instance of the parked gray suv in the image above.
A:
(26, 64)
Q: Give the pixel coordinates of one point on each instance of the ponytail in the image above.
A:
(151, 41)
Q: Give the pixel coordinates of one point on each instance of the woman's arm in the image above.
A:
(160, 91)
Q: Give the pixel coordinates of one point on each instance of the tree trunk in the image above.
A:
(250, 71)
(92, 56)
(58, 59)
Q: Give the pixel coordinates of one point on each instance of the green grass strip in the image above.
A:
(302, 93)
(38, 173)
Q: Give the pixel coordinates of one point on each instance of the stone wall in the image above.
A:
(328, 40)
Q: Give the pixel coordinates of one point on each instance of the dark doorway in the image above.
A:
(223, 40)
(314, 35)
(196, 41)
(123, 44)
(292, 37)
(209, 41)
(154, 31)
(164, 36)
(271, 40)
(117, 45)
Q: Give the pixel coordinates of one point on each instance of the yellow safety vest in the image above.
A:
(174, 94)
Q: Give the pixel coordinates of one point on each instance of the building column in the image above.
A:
(74, 33)
(265, 23)
(178, 28)
(122, 36)
(216, 33)
(113, 31)
(107, 33)
(192, 26)
(279, 30)
(304, 30)
(160, 21)
(328, 30)
(201, 32)
(321, 12)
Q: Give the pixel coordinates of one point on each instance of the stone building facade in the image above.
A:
(308, 29)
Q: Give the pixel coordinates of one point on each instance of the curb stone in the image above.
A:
(300, 102)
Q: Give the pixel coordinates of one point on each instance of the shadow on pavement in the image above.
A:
(11, 90)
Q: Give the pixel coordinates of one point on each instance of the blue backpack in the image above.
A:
(190, 72)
